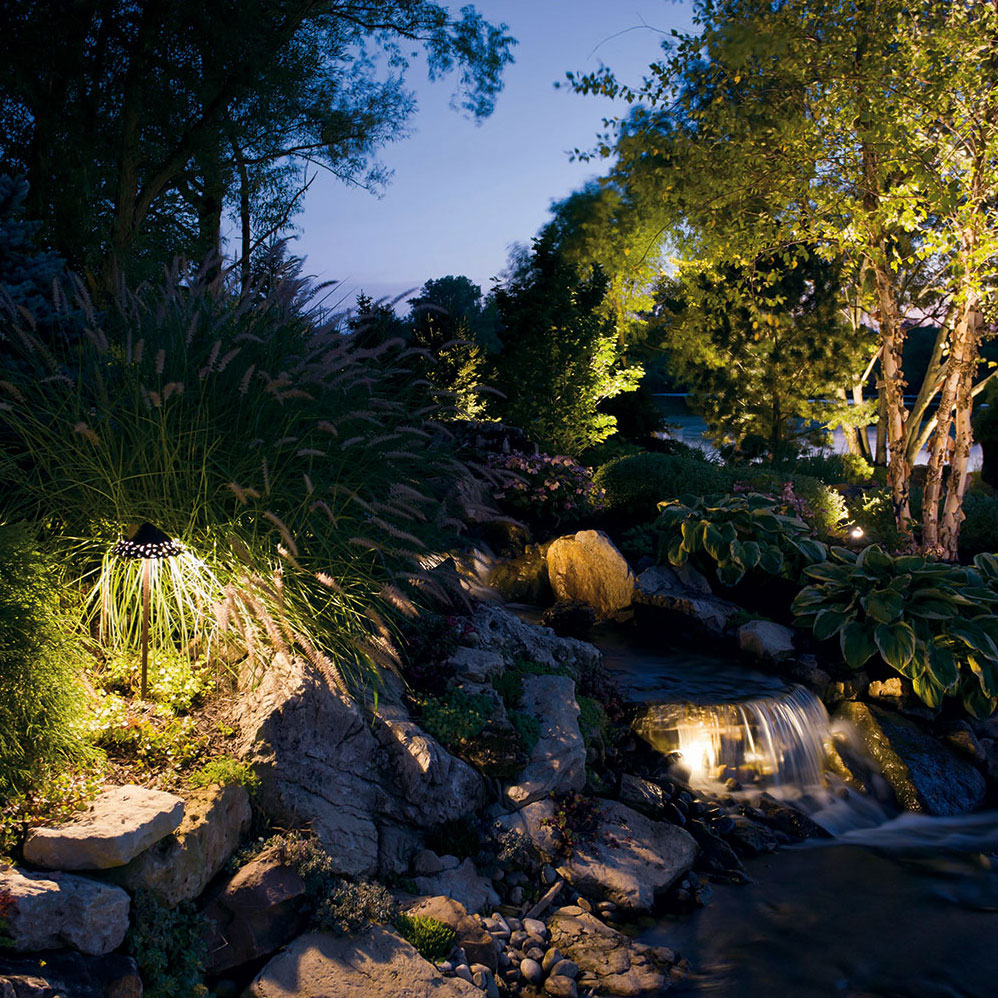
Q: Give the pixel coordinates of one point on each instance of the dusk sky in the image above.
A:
(463, 193)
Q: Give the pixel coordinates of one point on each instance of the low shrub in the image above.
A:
(149, 739)
(634, 486)
(527, 727)
(174, 680)
(576, 819)
(545, 489)
(432, 939)
(979, 530)
(225, 771)
(931, 622)
(729, 535)
(454, 717)
(850, 469)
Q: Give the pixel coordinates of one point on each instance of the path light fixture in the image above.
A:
(147, 544)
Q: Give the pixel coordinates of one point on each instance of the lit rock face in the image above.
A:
(558, 760)
(118, 825)
(52, 910)
(630, 859)
(767, 640)
(377, 964)
(357, 781)
(179, 866)
(588, 567)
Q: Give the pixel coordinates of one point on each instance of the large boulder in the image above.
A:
(498, 630)
(51, 910)
(57, 973)
(609, 962)
(357, 780)
(558, 760)
(255, 912)
(663, 588)
(630, 860)
(924, 774)
(115, 828)
(179, 866)
(463, 884)
(587, 567)
(377, 964)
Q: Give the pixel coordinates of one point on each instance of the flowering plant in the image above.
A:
(544, 487)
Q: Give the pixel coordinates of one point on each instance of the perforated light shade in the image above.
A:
(147, 542)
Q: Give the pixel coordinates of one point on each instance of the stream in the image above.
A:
(889, 907)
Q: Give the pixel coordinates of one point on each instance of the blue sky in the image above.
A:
(463, 193)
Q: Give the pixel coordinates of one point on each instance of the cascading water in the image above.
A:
(776, 741)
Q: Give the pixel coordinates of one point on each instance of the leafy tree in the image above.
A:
(559, 356)
(138, 122)
(867, 131)
(762, 350)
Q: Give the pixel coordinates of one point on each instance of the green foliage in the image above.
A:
(576, 819)
(979, 531)
(225, 771)
(291, 463)
(431, 937)
(454, 717)
(560, 357)
(635, 485)
(593, 722)
(170, 946)
(149, 739)
(527, 727)
(174, 680)
(41, 693)
(931, 622)
(732, 535)
(835, 468)
(543, 489)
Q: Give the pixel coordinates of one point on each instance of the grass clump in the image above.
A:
(432, 938)
(226, 771)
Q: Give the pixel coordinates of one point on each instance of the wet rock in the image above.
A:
(789, 819)
(464, 885)
(570, 619)
(51, 910)
(629, 860)
(609, 962)
(472, 935)
(59, 973)
(496, 629)
(923, 773)
(557, 762)
(377, 964)
(644, 796)
(254, 912)
(662, 588)
(115, 828)
(961, 737)
(587, 567)
(751, 839)
(766, 640)
(179, 866)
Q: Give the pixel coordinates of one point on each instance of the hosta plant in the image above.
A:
(930, 621)
(733, 534)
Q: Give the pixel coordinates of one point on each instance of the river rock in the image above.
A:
(660, 587)
(643, 795)
(610, 963)
(377, 964)
(766, 640)
(179, 866)
(924, 774)
(254, 912)
(464, 885)
(65, 972)
(557, 762)
(60, 909)
(587, 567)
(119, 824)
(496, 629)
(472, 936)
(631, 860)
(358, 782)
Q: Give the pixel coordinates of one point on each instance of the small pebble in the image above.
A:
(560, 987)
(585, 904)
(449, 862)
(531, 971)
(535, 953)
(536, 928)
(511, 974)
(502, 959)
(514, 924)
(446, 967)
(463, 971)
(498, 876)
(604, 906)
(565, 968)
(478, 980)
(516, 895)
(570, 909)
(548, 874)
(551, 957)
(518, 938)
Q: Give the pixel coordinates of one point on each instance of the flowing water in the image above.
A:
(901, 907)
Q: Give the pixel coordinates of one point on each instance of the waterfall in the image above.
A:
(775, 741)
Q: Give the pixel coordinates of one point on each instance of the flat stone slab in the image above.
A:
(630, 860)
(52, 910)
(118, 825)
(662, 587)
(378, 964)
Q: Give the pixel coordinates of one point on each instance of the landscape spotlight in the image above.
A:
(146, 544)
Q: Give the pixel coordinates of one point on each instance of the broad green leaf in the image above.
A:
(909, 563)
(812, 550)
(829, 622)
(857, 644)
(771, 560)
(896, 642)
(942, 665)
(976, 701)
(927, 689)
(736, 554)
(808, 598)
(730, 573)
(691, 535)
(677, 552)
(974, 636)
(728, 532)
(826, 572)
(882, 605)
(751, 553)
(873, 559)
(987, 674)
(766, 520)
(712, 542)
